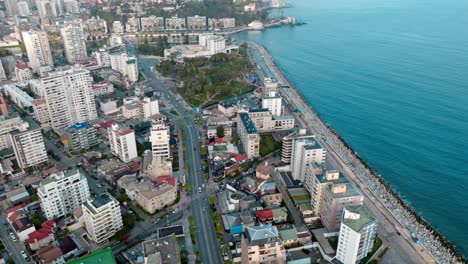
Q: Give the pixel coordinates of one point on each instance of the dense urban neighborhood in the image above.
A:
(141, 132)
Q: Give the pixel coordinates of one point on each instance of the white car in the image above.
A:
(24, 255)
(13, 237)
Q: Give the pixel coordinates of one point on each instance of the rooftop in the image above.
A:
(262, 234)
(357, 217)
(162, 250)
(350, 191)
(248, 124)
(79, 126)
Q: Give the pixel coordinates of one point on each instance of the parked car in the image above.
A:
(24, 255)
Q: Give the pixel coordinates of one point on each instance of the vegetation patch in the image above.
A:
(268, 145)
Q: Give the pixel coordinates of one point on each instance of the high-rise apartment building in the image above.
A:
(357, 234)
(149, 106)
(316, 183)
(305, 151)
(38, 49)
(272, 101)
(63, 192)
(71, 6)
(29, 147)
(102, 217)
(74, 43)
(23, 72)
(2, 73)
(249, 137)
(159, 138)
(286, 147)
(22, 8)
(336, 197)
(125, 64)
(122, 142)
(69, 96)
(81, 136)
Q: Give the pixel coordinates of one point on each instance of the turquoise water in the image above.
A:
(392, 78)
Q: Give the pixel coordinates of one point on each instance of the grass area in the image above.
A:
(174, 112)
(268, 145)
(210, 80)
(375, 247)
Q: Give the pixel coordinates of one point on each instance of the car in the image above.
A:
(13, 237)
(99, 185)
(199, 189)
(398, 233)
(203, 185)
(24, 255)
(5, 224)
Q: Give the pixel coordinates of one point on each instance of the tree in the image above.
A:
(220, 131)
(211, 199)
(187, 186)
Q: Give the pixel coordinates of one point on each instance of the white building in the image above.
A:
(29, 147)
(69, 96)
(2, 73)
(63, 192)
(116, 40)
(196, 22)
(102, 58)
(125, 64)
(152, 23)
(149, 107)
(74, 43)
(175, 23)
(122, 142)
(272, 101)
(38, 49)
(102, 217)
(117, 27)
(72, 6)
(9, 125)
(17, 95)
(249, 137)
(357, 234)
(159, 138)
(23, 73)
(22, 8)
(47, 8)
(41, 112)
(305, 151)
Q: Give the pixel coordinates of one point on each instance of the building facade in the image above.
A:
(305, 151)
(29, 147)
(81, 136)
(122, 142)
(63, 192)
(159, 138)
(261, 244)
(37, 49)
(74, 42)
(249, 137)
(102, 217)
(125, 64)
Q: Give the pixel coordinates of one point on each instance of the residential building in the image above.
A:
(16, 94)
(211, 131)
(286, 147)
(81, 136)
(152, 23)
(249, 137)
(41, 112)
(305, 151)
(8, 125)
(125, 64)
(159, 138)
(96, 26)
(38, 49)
(43, 236)
(103, 88)
(23, 72)
(175, 23)
(72, 6)
(122, 142)
(357, 234)
(50, 254)
(264, 120)
(47, 9)
(196, 22)
(153, 197)
(335, 198)
(117, 27)
(3, 76)
(164, 250)
(132, 25)
(74, 43)
(317, 183)
(22, 8)
(149, 106)
(131, 110)
(29, 147)
(63, 192)
(69, 96)
(228, 22)
(102, 217)
(261, 244)
(272, 101)
(102, 58)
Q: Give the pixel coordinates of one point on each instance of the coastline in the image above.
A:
(434, 243)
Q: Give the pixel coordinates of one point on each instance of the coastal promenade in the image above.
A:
(392, 213)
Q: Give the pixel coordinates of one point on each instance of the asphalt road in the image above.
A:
(206, 240)
(13, 248)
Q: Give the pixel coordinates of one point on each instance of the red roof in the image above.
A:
(168, 179)
(125, 132)
(45, 231)
(240, 157)
(14, 209)
(218, 140)
(108, 124)
(264, 214)
(21, 66)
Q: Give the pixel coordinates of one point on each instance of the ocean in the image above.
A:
(391, 77)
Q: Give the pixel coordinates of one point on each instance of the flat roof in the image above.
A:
(248, 124)
(104, 256)
(365, 217)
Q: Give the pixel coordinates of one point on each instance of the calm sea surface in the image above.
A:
(392, 78)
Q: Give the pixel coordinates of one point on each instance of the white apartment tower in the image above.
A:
(63, 192)
(122, 142)
(74, 43)
(29, 147)
(305, 151)
(249, 137)
(69, 96)
(149, 106)
(357, 234)
(38, 49)
(125, 64)
(72, 6)
(273, 102)
(102, 217)
(159, 138)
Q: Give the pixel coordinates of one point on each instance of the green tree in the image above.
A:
(211, 199)
(187, 186)
(220, 131)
